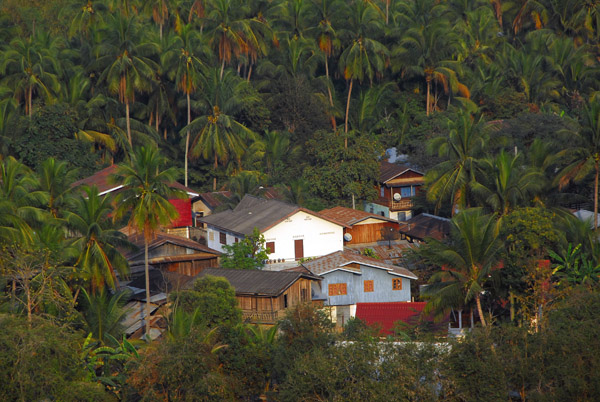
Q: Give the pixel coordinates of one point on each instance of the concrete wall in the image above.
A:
(320, 237)
(213, 239)
(382, 287)
(377, 209)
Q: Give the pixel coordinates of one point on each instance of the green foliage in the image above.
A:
(214, 300)
(103, 313)
(182, 369)
(51, 134)
(337, 173)
(557, 363)
(249, 253)
(368, 252)
(41, 361)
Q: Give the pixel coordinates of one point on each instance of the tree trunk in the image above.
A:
(597, 166)
(347, 111)
(215, 178)
(249, 72)
(428, 94)
(333, 124)
(479, 309)
(128, 123)
(222, 68)
(161, 30)
(146, 271)
(187, 139)
(29, 101)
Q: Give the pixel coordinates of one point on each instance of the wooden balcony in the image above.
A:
(403, 205)
(260, 317)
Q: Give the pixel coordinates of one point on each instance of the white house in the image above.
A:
(291, 232)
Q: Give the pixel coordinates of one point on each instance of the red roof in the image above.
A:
(386, 314)
(351, 216)
(184, 207)
(102, 182)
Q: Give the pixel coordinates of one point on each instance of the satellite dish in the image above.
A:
(397, 197)
(347, 237)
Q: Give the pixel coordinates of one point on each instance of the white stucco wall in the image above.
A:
(213, 239)
(320, 237)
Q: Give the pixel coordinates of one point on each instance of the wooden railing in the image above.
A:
(260, 317)
(403, 204)
(195, 233)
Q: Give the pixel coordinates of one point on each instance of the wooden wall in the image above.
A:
(274, 304)
(190, 268)
(368, 233)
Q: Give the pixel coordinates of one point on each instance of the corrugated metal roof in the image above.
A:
(351, 216)
(344, 259)
(161, 238)
(426, 225)
(257, 212)
(387, 171)
(255, 282)
(386, 314)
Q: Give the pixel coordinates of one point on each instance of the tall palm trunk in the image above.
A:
(479, 309)
(347, 112)
(29, 101)
(428, 79)
(215, 178)
(187, 138)
(146, 271)
(128, 122)
(597, 166)
(222, 68)
(333, 125)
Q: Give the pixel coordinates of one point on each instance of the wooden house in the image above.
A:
(396, 188)
(171, 253)
(264, 296)
(362, 227)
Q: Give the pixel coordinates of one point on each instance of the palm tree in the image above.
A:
(145, 199)
(160, 12)
(20, 202)
(185, 67)
(28, 67)
(103, 314)
(125, 61)
(219, 134)
(506, 183)
(462, 149)
(467, 260)
(584, 154)
(363, 56)
(95, 240)
(55, 179)
(232, 34)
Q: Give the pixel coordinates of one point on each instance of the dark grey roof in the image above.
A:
(256, 282)
(257, 212)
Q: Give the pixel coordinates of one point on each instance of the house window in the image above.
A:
(407, 191)
(369, 287)
(270, 247)
(211, 236)
(237, 240)
(397, 283)
(222, 238)
(382, 191)
(197, 216)
(285, 302)
(338, 289)
(304, 294)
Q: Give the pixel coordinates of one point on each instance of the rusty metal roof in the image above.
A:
(256, 282)
(351, 216)
(388, 171)
(425, 225)
(257, 212)
(161, 238)
(351, 261)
